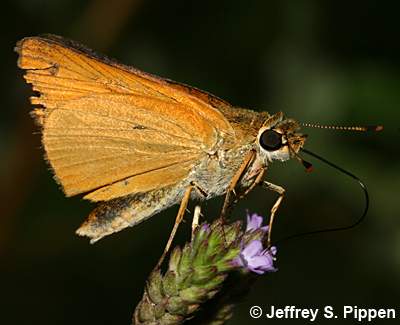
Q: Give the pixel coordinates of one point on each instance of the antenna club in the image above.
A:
(376, 128)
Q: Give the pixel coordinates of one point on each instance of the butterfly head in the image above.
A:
(278, 139)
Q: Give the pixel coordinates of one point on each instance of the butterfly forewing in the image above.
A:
(112, 129)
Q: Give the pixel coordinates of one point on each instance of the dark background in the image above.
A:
(318, 61)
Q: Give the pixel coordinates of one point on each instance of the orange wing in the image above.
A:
(112, 130)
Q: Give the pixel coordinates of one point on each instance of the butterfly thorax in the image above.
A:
(214, 172)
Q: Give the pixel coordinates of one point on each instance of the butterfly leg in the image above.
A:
(178, 220)
(281, 191)
(235, 180)
(196, 217)
(257, 181)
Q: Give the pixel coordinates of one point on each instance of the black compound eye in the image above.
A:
(271, 140)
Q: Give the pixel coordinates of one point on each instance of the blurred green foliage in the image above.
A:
(318, 61)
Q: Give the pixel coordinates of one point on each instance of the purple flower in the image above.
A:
(255, 258)
(205, 227)
(254, 223)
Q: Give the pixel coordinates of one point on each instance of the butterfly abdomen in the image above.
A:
(114, 215)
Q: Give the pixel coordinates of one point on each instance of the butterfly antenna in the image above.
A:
(363, 187)
(368, 128)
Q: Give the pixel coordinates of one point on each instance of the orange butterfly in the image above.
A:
(139, 144)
